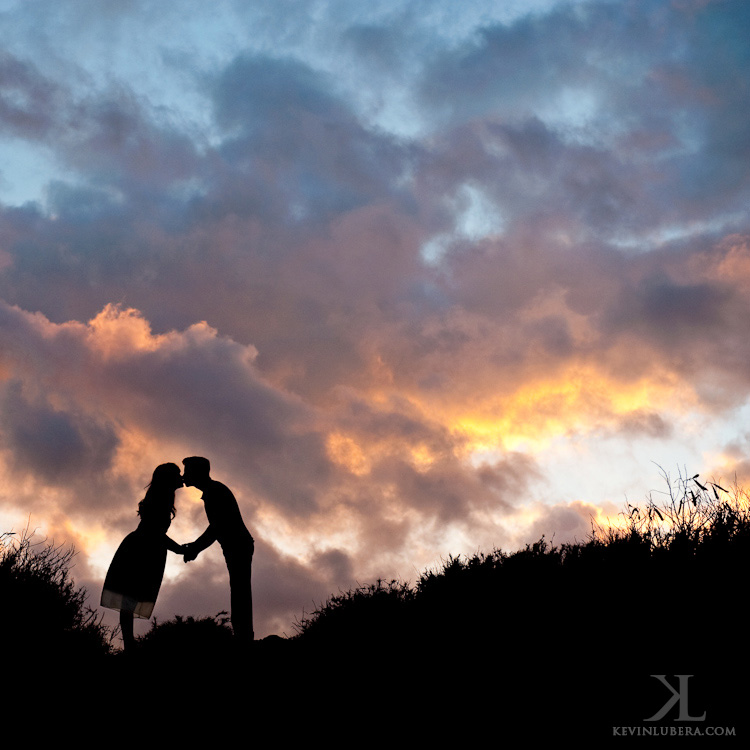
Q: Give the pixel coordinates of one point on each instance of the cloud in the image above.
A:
(53, 444)
(26, 97)
(566, 524)
(134, 399)
(195, 384)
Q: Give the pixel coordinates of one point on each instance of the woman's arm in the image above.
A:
(172, 546)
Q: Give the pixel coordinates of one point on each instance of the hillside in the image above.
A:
(657, 585)
(571, 632)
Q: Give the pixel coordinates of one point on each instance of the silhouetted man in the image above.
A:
(226, 526)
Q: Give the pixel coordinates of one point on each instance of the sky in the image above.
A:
(420, 278)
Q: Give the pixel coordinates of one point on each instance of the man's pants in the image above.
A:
(239, 565)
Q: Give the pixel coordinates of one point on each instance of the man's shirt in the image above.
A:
(225, 520)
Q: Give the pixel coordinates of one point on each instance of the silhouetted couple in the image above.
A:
(135, 574)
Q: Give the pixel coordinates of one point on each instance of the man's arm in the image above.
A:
(193, 549)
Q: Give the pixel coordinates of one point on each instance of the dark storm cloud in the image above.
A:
(53, 445)
(508, 67)
(118, 141)
(197, 386)
(685, 304)
(605, 75)
(113, 137)
(286, 126)
(282, 211)
(199, 389)
(449, 492)
(676, 312)
(148, 202)
(27, 99)
(589, 52)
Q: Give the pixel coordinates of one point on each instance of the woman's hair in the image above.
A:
(161, 489)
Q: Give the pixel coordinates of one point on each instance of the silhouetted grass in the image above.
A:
(44, 614)
(200, 638)
(546, 639)
(651, 586)
(661, 584)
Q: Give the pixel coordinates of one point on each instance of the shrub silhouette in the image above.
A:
(366, 613)
(44, 614)
(652, 586)
(548, 637)
(649, 588)
(203, 637)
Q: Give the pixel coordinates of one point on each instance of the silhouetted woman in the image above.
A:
(135, 574)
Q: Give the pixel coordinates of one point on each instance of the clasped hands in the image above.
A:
(189, 552)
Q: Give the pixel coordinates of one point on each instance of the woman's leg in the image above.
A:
(126, 626)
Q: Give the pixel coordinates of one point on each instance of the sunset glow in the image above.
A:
(418, 282)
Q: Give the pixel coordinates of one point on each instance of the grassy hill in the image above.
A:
(659, 584)
(550, 633)
(44, 614)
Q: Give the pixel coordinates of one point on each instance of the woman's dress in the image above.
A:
(136, 571)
